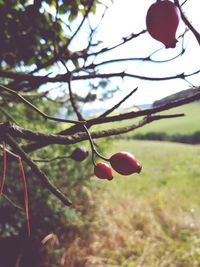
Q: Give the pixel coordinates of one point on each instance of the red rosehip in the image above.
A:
(103, 171)
(162, 22)
(125, 163)
(79, 154)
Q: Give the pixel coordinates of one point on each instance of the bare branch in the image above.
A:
(123, 75)
(68, 76)
(124, 40)
(72, 100)
(70, 132)
(122, 130)
(46, 139)
(40, 174)
(187, 23)
(135, 114)
(107, 112)
(24, 100)
(144, 59)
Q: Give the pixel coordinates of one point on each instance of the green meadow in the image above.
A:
(188, 124)
(151, 219)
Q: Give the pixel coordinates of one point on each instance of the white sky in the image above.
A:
(127, 16)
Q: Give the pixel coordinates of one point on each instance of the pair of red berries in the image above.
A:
(122, 162)
(162, 22)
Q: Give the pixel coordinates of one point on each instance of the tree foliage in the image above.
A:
(29, 31)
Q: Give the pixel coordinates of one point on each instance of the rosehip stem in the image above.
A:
(94, 151)
(100, 156)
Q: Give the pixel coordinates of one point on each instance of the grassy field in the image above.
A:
(188, 124)
(146, 220)
(165, 166)
(151, 219)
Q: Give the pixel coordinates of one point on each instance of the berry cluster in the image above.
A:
(122, 162)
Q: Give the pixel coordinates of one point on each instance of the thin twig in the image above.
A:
(9, 117)
(24, 100)
(53, 159)
(187, 23)
(123, 74)
(107, 112)
(72, 100)
(11, 202)
(126, 129)
(39, 173)
(94, 151)
(142, 59)
(94, 75)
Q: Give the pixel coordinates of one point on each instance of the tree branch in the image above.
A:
(40, 174)
(107, 112)
(46, 139)
(72, 138)
(187, 23)
(29, 104)
(67, 77)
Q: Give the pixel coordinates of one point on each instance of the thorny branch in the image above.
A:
(93, 75)
(71, 137)
(187, 22)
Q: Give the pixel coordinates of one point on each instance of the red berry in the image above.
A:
(79, 154)
(103, 171)
(125, 163)
(162, 22)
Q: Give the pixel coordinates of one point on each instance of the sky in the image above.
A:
(127, 16)
(124, 17)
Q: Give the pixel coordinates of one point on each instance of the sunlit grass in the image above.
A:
(184, 125)
(151, 219)
(166, 167)
(146, 220)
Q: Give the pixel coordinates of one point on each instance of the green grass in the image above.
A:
(185, 125)
(166, 166)
(151, 219)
